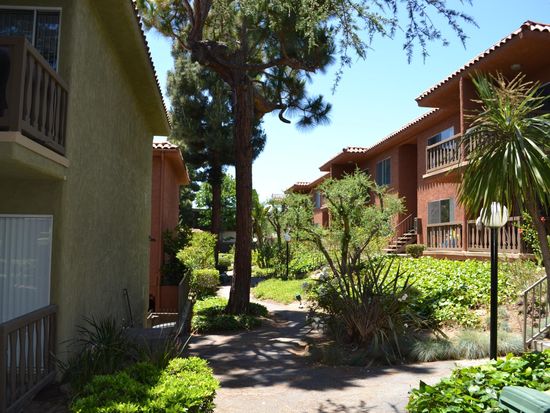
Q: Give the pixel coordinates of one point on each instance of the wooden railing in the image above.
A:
(35, 95)
(443, 154)
(444, 236)
(509, 237)
(536, 306)
(27, 350)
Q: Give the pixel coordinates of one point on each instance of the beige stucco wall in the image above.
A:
(102, 209)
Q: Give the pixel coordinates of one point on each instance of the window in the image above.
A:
(441, 136)
(25, 257)
(442, 211)
(383, 172)
(317, 199)
(40, 27)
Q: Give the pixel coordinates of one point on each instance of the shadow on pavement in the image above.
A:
(271, 355)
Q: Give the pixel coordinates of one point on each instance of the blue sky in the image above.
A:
(376, 95)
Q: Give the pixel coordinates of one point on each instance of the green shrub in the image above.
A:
(415, 250)
(263, 272)
(185, 385)
(200, 251)
(225, 261)
(279, 290)
(305, 259)
(209, 316)
(173, 270)
(476, 389)
(204, 282)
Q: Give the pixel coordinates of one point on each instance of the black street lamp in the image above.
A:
(495, 218)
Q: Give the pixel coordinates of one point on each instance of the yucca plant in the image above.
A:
(508, 143)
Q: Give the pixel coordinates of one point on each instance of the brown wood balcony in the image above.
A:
(27, 357)
(509, 237)
(33, 97)
(444, 236)
(443, 154)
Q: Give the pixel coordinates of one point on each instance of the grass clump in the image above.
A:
(281, 291)
(209, 316)
(466, 344)
(476, 389)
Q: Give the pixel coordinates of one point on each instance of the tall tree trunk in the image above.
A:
(216, 217)
(243, 105)
(542, 236)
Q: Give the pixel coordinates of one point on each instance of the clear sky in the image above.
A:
(376, 95)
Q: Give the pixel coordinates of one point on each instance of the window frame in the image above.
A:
(388, 159)
(452, 205)
(37, 9)
(428, 144)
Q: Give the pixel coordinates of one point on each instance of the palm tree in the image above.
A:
(508, 145)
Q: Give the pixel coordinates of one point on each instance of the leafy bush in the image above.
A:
(185, 385)
(263, 272)
(305, 259)
(476, 389)
(200, 251)
(209, 316)
(279, 290)
(204, 282)
(173, 270)
(415, 250)
(225, 261)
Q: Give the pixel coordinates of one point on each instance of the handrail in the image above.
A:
(536, 308)
(27, 350)
(407, 223)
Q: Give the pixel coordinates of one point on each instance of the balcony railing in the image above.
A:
(509, 237)
(33, 97)
(443, 154)
(27, 350)
(444, 236)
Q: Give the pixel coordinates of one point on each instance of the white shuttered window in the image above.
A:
(25, 263)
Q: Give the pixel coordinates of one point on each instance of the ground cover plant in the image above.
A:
(209, 315)
(184, 385)
(476, 389)
(450, 291)
(278, 290)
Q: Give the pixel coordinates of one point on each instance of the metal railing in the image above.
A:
(444, 236)
(27, 357)
(535, 312)
(443, 154)
(404, 226)
(35, 95)
(509, 237)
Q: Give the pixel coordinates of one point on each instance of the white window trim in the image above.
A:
(37, 9)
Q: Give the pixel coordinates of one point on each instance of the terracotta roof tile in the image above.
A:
(164, 145)
(527, 26)
(148, 51)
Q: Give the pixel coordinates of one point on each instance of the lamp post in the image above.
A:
(287, 239)
(495, 218)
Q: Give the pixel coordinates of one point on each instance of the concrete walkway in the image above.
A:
(262, 371)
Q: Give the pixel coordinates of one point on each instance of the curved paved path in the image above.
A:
(262, 371)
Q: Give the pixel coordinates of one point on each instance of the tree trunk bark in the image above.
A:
(216, 217)
(542, 236)
(243, 107)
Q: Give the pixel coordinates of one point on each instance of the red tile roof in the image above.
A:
(148, 51)
(527, 26)
(164, 145)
